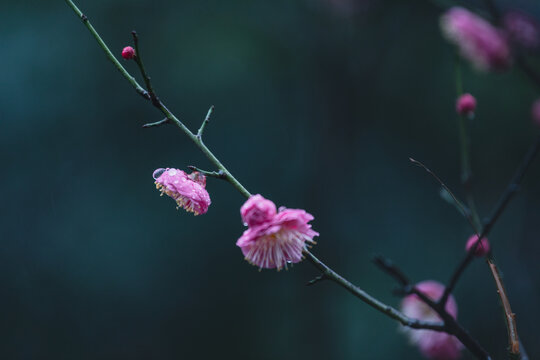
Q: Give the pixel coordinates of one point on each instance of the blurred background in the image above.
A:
(319, 105)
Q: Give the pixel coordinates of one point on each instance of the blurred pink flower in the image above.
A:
(478, 41)
(535, 112)
(523, 29)
(481, 250)
(274, 239)
(466, 105)
(188, 190)
(432, 344)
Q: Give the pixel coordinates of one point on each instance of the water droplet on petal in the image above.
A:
(158, 173)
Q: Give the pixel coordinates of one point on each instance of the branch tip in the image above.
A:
(157, 123)
(316, 280)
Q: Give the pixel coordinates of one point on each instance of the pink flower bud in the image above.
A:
(274, 240)
(257, 210)
(432, 344)
(466, 104)
(485, 46)
(188, 190)
(535, 112)
(481, 249)
(128, 53)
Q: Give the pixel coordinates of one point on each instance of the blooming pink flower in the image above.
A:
(188, 190)
(482, 249)
(535, 112)
(466, 104)
(523, 30)
(432, 344)
(128, 53)
(478, 41)
(273, 239)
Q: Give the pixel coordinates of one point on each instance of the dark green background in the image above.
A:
(316, 109)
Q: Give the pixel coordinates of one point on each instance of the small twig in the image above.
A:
(146, 78)
(316, 280)
(206, 121)
(509, 315)
(157, 123)
(217, 174)
(458, 203)
(445, 195)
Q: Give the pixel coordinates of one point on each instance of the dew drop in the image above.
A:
(158, 173)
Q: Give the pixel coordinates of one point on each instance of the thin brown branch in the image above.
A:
(510, 317)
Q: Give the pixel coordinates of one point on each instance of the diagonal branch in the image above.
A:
(368, 299)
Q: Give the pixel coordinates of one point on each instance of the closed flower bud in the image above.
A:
(128, 53)
(466, 105)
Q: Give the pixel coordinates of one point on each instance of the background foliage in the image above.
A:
(317, 108)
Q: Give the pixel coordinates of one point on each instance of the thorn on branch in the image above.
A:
(205, 121)
(316, 280)
(157, 123)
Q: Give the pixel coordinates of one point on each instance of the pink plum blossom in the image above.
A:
(478, 41)
(481, 250)
(273, 239)
(466, 105)
(188, 190)
(432, 344)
